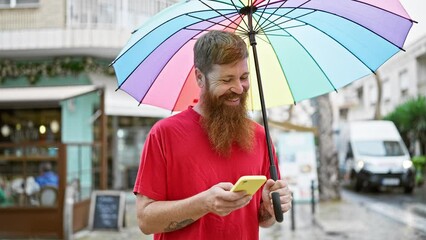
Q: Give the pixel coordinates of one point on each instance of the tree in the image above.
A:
(328, 170)
(410, 119)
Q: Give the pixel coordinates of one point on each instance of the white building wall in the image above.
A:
(403, 77)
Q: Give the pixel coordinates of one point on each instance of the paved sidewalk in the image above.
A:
(343, 219)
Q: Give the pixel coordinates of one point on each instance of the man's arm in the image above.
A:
(166, 216)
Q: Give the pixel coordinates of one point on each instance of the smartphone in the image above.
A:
(250, 183)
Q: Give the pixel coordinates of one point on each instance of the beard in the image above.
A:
(227, 125)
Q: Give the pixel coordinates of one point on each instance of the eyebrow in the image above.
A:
(231, 75)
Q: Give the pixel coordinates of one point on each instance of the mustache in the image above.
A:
(232, 95)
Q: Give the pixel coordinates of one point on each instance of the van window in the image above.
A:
(378, 148)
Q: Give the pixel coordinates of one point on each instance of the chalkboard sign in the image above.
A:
(107, 210)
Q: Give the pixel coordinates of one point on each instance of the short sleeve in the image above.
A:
(151, 178)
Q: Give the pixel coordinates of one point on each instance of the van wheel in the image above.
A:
(408, 189)
(358, 185)
(356, 182)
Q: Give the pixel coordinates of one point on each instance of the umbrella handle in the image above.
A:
(276, 196)
(277, 207)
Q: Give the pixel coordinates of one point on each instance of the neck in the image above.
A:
(198, 108)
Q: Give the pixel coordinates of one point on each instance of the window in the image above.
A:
(404, 84)
(373, 95)
(19, 3)
(378, 148)
(386, 95)
(360, 94)
(343, 112)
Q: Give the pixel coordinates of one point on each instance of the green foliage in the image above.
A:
(410, 119)
(34, 70)
(419, 163)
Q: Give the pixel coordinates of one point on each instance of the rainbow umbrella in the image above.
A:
(301, 49)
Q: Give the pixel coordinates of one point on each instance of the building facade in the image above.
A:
(58, 104)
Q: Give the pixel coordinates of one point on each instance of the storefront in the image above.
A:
(90, 134)
(59, 127)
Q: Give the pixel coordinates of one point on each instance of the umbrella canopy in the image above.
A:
(305, 47)
(301, 48)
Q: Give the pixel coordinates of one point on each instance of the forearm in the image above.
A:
(168, 216)
(265, 218)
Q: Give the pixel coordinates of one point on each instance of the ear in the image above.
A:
(199, 77)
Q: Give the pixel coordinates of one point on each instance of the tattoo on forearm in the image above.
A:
(173, 226)
(264, 215)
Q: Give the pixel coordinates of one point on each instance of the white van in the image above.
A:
(375, 156)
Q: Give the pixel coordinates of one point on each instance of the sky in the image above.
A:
(417, 11)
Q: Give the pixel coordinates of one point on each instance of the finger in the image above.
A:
(269, 184)
(279, 184)
(225, 185)
(232, 205)
(286, 207)
(286, 198)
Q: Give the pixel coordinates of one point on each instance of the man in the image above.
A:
(47, 176)
(191, 160)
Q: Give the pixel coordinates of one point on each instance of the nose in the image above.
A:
(237, 87)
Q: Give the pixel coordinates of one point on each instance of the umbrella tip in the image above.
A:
(134, 31)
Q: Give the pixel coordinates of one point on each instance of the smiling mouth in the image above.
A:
(233, 99)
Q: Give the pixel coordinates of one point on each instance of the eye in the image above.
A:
(226, 80)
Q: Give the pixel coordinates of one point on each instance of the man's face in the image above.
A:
(228, 82)
(224, 110)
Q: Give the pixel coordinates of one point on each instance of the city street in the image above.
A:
(385, 215)
(365, 215)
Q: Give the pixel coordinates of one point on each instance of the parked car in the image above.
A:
(375, 156)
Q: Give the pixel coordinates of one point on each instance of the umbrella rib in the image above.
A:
(314, 10)
(353, 54)
(273, 24)
(221, 13)
(316, 63)
(374, 6)
(294, 9)
(320, 68)
(152, 30)
(220, 24)
(273, 30)
(244, 21)
(181, 89)
(285, 77)
(272, 14)
(261, 15)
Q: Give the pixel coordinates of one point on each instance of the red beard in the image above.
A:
(227, 125)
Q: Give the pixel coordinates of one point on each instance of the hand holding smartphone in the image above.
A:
(249, 183)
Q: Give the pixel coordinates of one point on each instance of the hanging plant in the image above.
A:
(63, 66)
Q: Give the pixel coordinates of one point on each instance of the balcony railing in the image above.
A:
(97, 27)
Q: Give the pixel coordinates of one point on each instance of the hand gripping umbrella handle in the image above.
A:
(276, 197)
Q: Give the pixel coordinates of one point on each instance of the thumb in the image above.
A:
(267, 187)
(225, 185)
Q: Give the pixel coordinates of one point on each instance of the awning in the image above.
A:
(119, 103)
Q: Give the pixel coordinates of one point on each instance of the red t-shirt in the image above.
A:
(178, 162)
